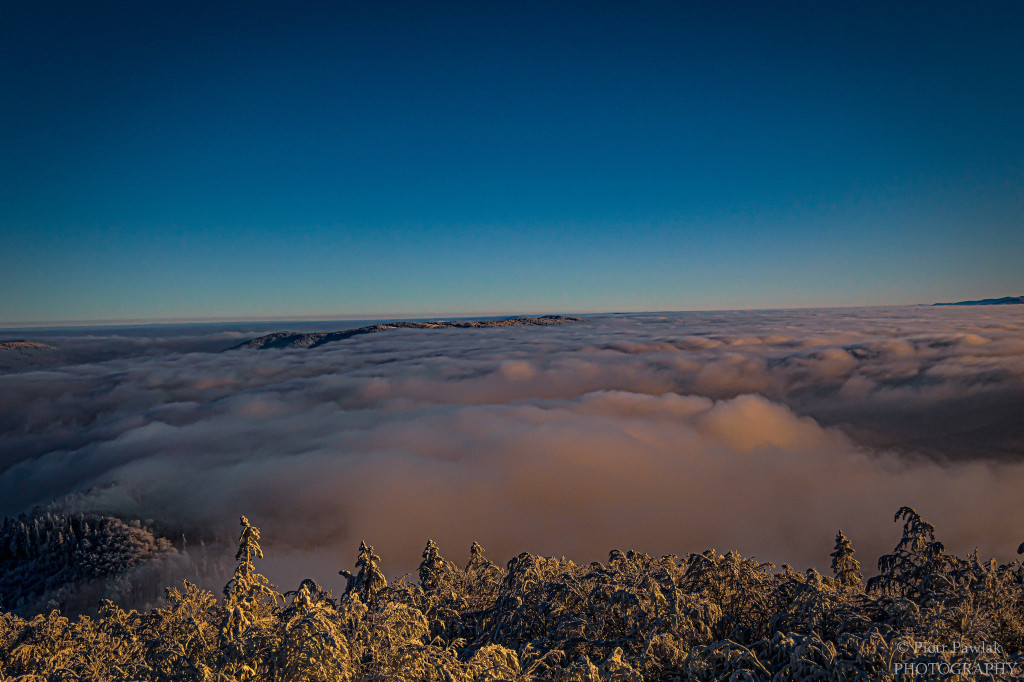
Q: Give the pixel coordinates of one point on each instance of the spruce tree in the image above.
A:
(845, 568)
(432, 569)
(250, 603)
(369, 581)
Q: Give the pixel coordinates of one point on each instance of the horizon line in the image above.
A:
(405, 315)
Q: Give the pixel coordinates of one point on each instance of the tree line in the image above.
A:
(926, 614)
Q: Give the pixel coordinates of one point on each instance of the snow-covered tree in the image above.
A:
(845, 568)
(312, 643)
(368, 580)
(250, 605)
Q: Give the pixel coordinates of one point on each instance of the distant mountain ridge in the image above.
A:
(20, 353)
(315, 339)
(23, 345)
(1005, 300)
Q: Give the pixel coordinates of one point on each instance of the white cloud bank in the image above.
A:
(763, 432)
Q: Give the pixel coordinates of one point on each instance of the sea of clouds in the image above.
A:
(759, 431)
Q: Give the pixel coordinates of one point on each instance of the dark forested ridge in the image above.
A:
(70, 560)
(1005, 300)
(316, 339)
(708, 616)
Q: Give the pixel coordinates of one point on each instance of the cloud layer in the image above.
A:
(763, 432)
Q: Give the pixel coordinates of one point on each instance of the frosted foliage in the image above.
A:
(72, 560)
(705, 616)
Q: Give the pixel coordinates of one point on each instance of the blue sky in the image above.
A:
(182, 160)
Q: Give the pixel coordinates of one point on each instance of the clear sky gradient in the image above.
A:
(180, 160)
